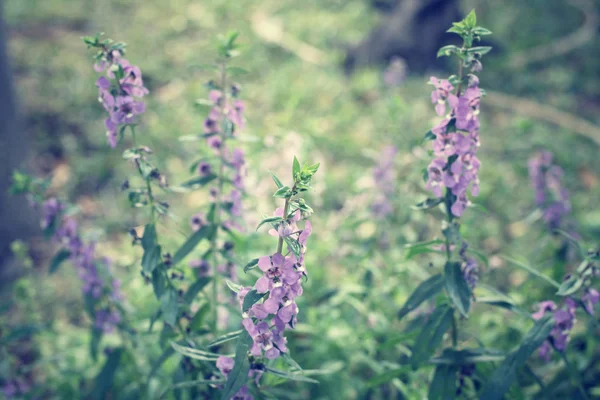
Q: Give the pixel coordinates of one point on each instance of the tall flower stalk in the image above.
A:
(269, 307)
(454, 171)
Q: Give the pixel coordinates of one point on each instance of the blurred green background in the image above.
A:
(300, 102)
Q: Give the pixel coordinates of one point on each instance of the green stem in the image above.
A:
(286, 208)
(574, 378)
(218, 201)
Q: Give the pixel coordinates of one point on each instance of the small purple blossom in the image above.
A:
(202, 267)
(590, 299)
(204, 169)
(564, 318)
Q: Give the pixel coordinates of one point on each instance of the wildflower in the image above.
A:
(202, 267)
(119, 91)
(590, 299)
(550, 195)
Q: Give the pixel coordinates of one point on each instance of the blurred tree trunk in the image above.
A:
(413, 30)
(16, 217)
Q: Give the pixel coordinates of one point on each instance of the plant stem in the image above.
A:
(219, 200)
(285, 212)
(573, 377)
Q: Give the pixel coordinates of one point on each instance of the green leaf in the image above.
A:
(295, 168)
(432, 334)
(445, 52)
(276, 180)
(532, 271)
(387, 376)
(225, 338)
(198, 320)
(471, 19)
(149, 237)
(196, 354)
(169, 306)
(504, 376)
(158, 282)
(58, 259)
(166, 354)
(572, 284)
(424, 291)
(198, 181)
(421, 248)
(283, 192)
(428, 204)
(95, 339)
(295, 376)
(151, 259)
(269, 220)
(251, 265)
(468, 356)
(104, 380)
(206, 232)
(239, 374)
(429, 136)
(251, 298)
(507, 305)
(478, 30)
(457, 287)
(443, 385)
(481, 50)
(293, 245)
(195, 288)
(233, 286)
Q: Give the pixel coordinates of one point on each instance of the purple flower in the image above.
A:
(204, 169)
(544, 307)
(590, 299)
(51, 208)
(564, 319)
(119, 97)
(225, 365)
(202, 267)
(550, 195)
(198, 221)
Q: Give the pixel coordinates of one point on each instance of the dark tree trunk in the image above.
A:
(414, 30)
(16, 218)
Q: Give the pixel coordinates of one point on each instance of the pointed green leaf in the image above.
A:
(445, 52)
(571, 285)
(251, 265)
(269, 220)
(233, 286)
(205, 232)
(443, 385)
(58, 259)
(424, 291)
(276, 180)
(481, 50)
(428, 204)
(149, 237)
(195, 288)
(151, 259)
(251, 298)
(295, 168)
(239, 374)
(504, 376)
(432, 334)
(290, 376)
(225, 338)
(457, 287)
(169, 306)
(104, 380)
(283, 192)
(198, 181)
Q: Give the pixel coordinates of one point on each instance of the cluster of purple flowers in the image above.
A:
(282, 276)
(564, 319)
(455, 166)
(550, 195)
(385, 177)
(83, 256)
(120, 92)
(223, 122)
